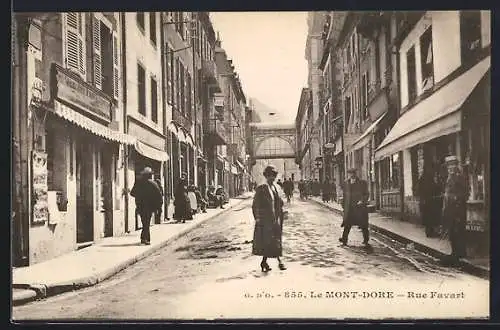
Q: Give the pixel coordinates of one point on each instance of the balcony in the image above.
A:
(210, 74)
(216, 132)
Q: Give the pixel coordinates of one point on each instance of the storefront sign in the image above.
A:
(475, 226)
(40, 187)
(71, 89)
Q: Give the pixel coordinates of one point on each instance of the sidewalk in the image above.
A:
(409, 233)
(89, 266)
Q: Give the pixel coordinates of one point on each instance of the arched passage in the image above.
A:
(274, 146)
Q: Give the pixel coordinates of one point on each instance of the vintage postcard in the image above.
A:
(251, 165)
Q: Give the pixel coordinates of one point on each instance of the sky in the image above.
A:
(267, 49)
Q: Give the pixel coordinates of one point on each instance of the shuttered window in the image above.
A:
(152, 27)
(154, 100)
(74, 53)
(116, 67)
(170, 76)
(96, 45)
(141, 84)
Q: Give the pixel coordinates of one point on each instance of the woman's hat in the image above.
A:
(270, 170)
(147, 170)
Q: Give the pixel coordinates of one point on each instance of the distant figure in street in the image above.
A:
(334, 190)
(301, 189)
(148, 199)
(430, 201)
(221, 195)
(288, 189)
(326, 191)
(181, 202)
(316, 188)
(193, 202)
(201, 201)
(267, 208)
(214, 199)
(279, 183)
(454, 210)
(354, 205)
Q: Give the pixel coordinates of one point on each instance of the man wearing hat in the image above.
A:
(148, 199)
(454, 210)
(355, 206)
(267, 208)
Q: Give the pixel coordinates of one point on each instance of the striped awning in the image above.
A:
(151, 152)
(181, 133)
(90, 125)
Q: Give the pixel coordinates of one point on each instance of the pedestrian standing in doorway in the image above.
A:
(267, 208)
(355, 206)
(181, 202)
(454, 210)
(148, 199)
(429, 195)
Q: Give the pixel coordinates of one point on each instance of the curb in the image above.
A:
(464, 265)
(44, 291)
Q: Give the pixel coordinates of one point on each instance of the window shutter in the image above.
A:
(96, 44)
(82, 58)
(116, 67)
(71, 38)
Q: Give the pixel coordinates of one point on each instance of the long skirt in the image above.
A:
(267, 239)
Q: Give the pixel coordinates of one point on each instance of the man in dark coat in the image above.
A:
(455, 210)
(354, 205)
(148, 199)
(267, 208)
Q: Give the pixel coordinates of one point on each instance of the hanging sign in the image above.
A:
(40, 187)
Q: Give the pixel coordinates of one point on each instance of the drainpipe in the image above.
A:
(125, 123)
(163, 51)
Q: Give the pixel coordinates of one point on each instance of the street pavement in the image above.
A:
(210, 273)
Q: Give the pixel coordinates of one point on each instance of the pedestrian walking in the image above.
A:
(288, 188)
(193, 202)
(355, 206)
(326, 191)
(301, 187)
(148, 199)
(267, 208)
(201, 201)
(182, 207)
(454, 210)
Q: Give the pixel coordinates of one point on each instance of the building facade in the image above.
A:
(313, 53)
(304, 126)
(444, 72)
(144, 113)
(71, 100)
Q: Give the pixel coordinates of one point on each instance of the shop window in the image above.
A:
(470, 34)
(395, 169)
(141, 85)
(476, 156)
(426, 59)
(412, 74)
(140, 20)
(154, 100)
(182, 88)
(152, 27)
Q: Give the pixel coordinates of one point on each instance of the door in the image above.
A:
(84, 193)
(107, 189)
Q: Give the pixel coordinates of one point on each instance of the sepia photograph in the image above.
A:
(180, 166)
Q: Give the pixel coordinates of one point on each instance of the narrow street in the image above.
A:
(210, 273)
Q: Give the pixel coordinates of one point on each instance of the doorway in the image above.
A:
(84, 193)
(107, 189)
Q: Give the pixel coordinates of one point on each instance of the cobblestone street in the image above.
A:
(209, 272)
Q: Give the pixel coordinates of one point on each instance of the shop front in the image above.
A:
(451, 121)
(76, 165)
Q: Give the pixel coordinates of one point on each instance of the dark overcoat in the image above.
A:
(354, 214)
(455, 212)
(268, 223)
(182, 206)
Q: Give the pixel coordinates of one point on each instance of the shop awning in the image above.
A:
(90, 125)
(178, 131)
(151, 152)
(436, 116)
(364, 139)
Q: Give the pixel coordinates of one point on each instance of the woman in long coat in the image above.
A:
(181, 202)
(267, 210)
(355, 206)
